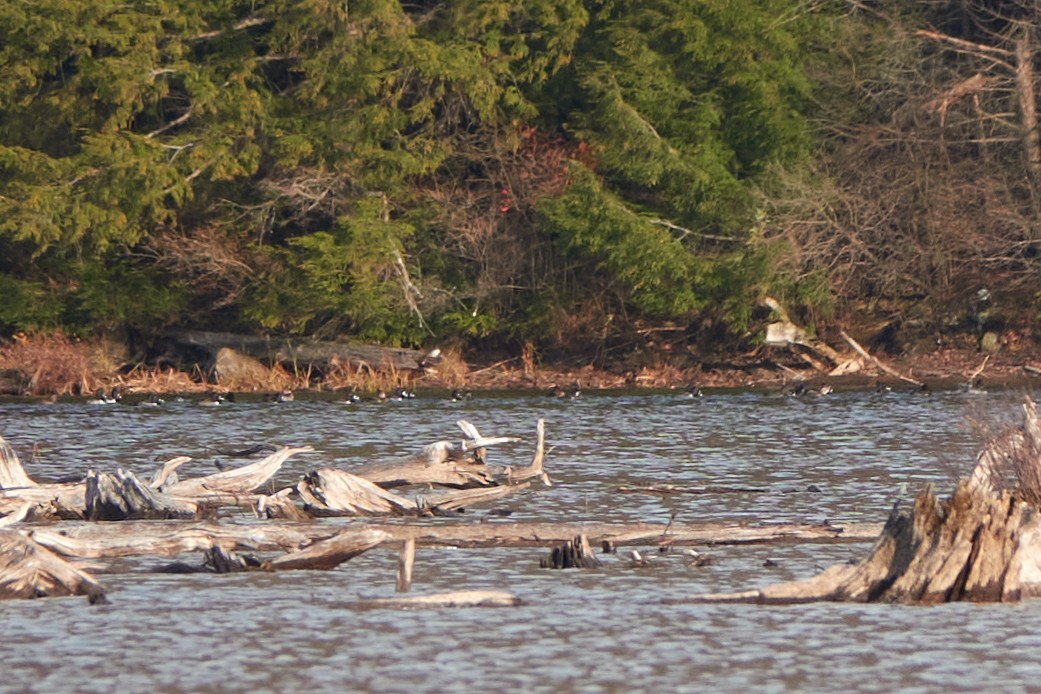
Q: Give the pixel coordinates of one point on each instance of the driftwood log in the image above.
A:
(29, 570)
(460, 598)
(982, 545)
(573, 554)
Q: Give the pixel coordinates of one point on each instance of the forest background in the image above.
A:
(586, 179)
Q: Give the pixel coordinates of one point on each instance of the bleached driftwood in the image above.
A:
(331, 492)
(167, 474)
(241, 480)
(122, 496)
(447, 463)
(29, 570)
(330, 552)
(85, 540)
(12, 474)
(461, 598)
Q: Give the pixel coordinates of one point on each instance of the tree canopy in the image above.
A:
(479, 169)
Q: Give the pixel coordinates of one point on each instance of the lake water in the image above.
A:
(576, 631)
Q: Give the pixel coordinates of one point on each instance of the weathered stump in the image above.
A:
(122, 497)
(573, 554)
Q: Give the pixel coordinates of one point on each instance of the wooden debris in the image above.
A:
(785, 333)
(122, 497)
(241, 480)
(280, 506)
(573, 554)
(982, 545)
(12, 474)
(167, 474)
(464, 498)
(330, 552)
(458, 464)
(29, 570)
(331, 492)
(462, 598)
(888, 369)
(405, 562)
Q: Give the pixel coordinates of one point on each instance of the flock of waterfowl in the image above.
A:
(792, 389)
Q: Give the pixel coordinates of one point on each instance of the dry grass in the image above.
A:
(362, 377)
(57, 364)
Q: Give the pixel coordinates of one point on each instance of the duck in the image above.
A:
(352, 396)
(404, 394)
(152, 401)
(460, 395)
(694, 391)
(215, 400)
(284, 396)
(103, 398)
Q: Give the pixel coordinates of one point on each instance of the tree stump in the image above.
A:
(573, 554)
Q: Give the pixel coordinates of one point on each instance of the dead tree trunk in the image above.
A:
(982, 545)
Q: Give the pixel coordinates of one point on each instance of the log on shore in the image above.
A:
(30, 570)
(296, 353)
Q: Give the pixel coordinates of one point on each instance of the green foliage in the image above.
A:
(317, 139)
(347, 280)
(657, 273)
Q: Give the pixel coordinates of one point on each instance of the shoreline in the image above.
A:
(771, 370)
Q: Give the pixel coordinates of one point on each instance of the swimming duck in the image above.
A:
(459, 395)
(102, 398)
(352, 396)
(215, 400)
(152, 401)
(284, 396)
(694, 391)
(404, 394)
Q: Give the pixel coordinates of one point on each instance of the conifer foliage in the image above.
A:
(385, 170)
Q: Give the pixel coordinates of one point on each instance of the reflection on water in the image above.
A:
(602, 630)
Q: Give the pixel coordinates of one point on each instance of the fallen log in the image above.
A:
(331, 492)
(461, 598)
(84, 540)
(238, 481)
(329, 553)
(29, 570)
(301, 353)
(457, 464)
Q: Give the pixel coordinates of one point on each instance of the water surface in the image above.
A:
(844, 458)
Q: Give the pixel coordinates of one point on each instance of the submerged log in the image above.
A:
(29, 570)
(461, 598)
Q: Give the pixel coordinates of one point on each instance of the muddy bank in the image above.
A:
(55, 366)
